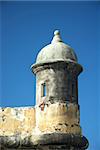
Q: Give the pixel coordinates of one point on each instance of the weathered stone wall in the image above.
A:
(19, 120)
(44, 127)
(46, 118)
(60, 81)
(58, 117)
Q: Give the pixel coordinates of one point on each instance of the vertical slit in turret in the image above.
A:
(71, 92)
(43, 90)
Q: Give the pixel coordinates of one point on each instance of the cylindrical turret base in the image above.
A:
(51, 141)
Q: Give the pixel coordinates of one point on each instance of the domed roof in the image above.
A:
(56, 51)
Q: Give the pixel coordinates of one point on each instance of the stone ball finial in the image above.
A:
(56, 37)
(56, 32)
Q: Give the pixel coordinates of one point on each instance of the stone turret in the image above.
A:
(54, 122)
(57, 108)
(56, 70)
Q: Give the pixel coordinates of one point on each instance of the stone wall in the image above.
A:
(38, 127)
(19, 120)
(57, 117)
(60, 82)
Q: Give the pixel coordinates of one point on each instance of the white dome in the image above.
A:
(56, 51)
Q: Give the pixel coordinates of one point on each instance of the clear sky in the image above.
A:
(26, 27)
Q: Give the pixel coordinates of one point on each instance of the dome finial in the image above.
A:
(56, 37)
(56, 32)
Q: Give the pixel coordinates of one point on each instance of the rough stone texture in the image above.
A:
(58, 117)
(63, 78)
(45, 142)
(17, 120)
(55, 126)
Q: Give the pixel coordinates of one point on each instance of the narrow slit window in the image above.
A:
(43, 89)
(74, 97)
(73, 91)
(68, 90)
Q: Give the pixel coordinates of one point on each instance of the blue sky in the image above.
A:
(26, 27)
